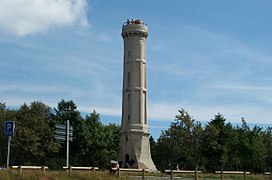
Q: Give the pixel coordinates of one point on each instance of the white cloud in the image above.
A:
(166, 111)
(199, 52)
(115, 110)
(105, 37)
(29, 89)
(23, 17)
(162, 111)
(240, 87)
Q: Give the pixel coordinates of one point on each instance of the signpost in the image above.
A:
(9, 131)
(9, 128)
(60, 132)
(65, 133)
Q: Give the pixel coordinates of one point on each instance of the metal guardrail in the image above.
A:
(182, 171)
(232, 172)
(79, 168)
(172, 172)
(119, 170)
(244, 173)
(20, 168)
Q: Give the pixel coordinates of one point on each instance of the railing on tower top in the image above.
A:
(138, 21)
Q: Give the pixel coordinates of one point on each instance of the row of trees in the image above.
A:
(217, 145)
(186, 143)
(94, 144)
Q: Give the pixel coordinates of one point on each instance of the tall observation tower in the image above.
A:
(134, 148)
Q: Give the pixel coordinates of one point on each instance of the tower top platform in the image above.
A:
(134, 26)
(138, 21)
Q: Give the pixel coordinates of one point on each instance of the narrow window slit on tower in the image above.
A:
(128, 108)
(128, 81)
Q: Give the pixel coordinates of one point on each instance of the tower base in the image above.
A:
(134, 150)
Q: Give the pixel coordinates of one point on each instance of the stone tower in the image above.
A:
(134, 148)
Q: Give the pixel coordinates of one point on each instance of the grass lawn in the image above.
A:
(101, 175)
(55, 175)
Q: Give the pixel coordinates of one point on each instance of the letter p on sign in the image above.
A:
(9, 128)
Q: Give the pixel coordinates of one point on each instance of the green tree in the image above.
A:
(5, 115)
(3, 139)
(232, 159)
(102, 141)
(259, 151)
(267, 137)
(252, 148)
(244, 147)
(164, 153)
(180, 144)
(111, 144)
(152, 144)
(67, 110)
(34, 139)
(94, 144)
(215, 136)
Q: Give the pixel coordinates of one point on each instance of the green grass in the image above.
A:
(105, 175)
(55, 175)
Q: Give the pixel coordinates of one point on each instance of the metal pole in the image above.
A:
(9, 140)
(67, 143)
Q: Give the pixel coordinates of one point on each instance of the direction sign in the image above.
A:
(9, 128)
(61, 132)
(63, 127)
(64, 132)
(63, 138)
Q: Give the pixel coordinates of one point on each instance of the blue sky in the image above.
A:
(206, 56)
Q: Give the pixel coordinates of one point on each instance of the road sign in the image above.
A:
(64, 132)
(63, 138)
(9, 128)
(60, 126)
(61, 132)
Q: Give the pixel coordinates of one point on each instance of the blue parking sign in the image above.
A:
(9, 128)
